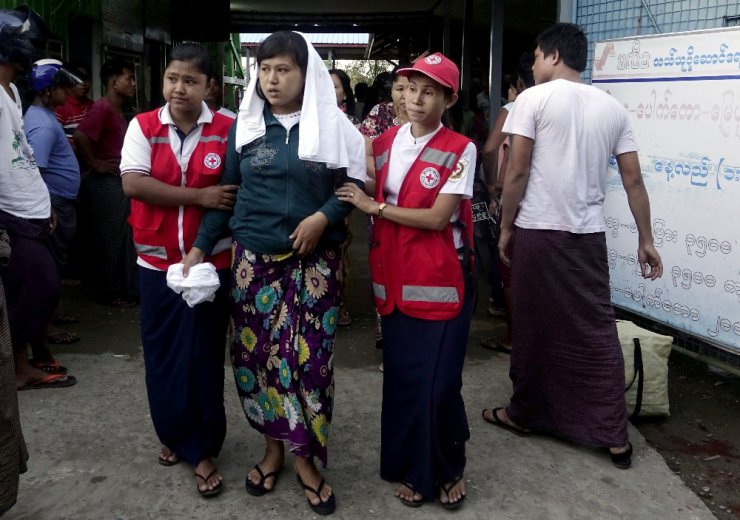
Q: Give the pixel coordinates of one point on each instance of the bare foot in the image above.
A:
(306, 470)
(206, 476)
(273, 460)
(452, 492)
(407, 494)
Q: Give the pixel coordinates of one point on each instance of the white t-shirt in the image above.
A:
(576, 128)
(406, 148)
(136, 154)
(23, 192)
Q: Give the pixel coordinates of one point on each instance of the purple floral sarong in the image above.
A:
(285, 315)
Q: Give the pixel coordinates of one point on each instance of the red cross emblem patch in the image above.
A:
(212, 161)
(429, 178)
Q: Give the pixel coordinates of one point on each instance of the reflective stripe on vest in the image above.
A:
(380, 160)
(422, 293)
(155, 251)
(439, 157)
(211, 138)
(159, 140)
(379, 291)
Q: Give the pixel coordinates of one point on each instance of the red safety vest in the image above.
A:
(164, 234)
(416, 270)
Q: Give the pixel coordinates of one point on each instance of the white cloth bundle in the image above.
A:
(200, 285)
(325, 134)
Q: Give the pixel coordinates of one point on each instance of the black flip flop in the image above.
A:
(165, 461)
(208, 493)
(451, 506)
(259, 489)
(623, 460)
(51, 381)
(501, 424)
(322, 508)
(413, 502)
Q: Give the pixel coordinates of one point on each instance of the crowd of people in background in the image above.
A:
(246, 215)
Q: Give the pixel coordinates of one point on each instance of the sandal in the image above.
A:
(623, 460)
(413, 502)
(51, 381)
(164, 458)
(63, 338)
(322, 508)
(207, 493)
(496, 421)
(449, 505)
(50, 367)
(259, 489)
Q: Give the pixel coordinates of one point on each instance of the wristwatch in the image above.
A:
(381, 207)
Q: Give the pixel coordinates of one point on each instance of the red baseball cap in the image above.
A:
(438, 67)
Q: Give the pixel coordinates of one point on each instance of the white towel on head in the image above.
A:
(200, 285)
(325, 134)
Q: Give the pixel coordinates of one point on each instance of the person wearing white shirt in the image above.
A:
(30, 278)
(567, 367)
(421, 273)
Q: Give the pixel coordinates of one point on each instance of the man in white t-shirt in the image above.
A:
(30, 279)
(26, 268)
(567, 367)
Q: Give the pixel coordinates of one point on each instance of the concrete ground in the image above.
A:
(93, 448)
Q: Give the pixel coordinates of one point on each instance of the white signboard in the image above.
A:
(682, 92)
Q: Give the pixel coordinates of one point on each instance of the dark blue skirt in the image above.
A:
(184, 352)
(423, 422)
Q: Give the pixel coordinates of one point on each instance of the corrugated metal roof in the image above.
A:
(359, 39)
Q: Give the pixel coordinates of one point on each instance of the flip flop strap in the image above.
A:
(447, 489)
(205, 479)
(264, 476)
(314, 491)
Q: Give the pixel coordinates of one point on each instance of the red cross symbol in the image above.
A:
(212, 161)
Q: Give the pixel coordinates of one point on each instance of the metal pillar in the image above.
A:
(467, 52)
(567, 11)
(495, 69)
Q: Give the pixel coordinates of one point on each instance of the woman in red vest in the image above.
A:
(172, 160)
(420, 263)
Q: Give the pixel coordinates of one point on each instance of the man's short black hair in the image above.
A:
(570, 42)
(114, 67)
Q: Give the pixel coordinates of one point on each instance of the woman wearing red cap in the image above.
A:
(420, 260)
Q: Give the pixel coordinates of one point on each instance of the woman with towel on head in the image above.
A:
(171, 162)
(289, 150)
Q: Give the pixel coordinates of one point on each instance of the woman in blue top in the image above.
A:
(287, 226)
